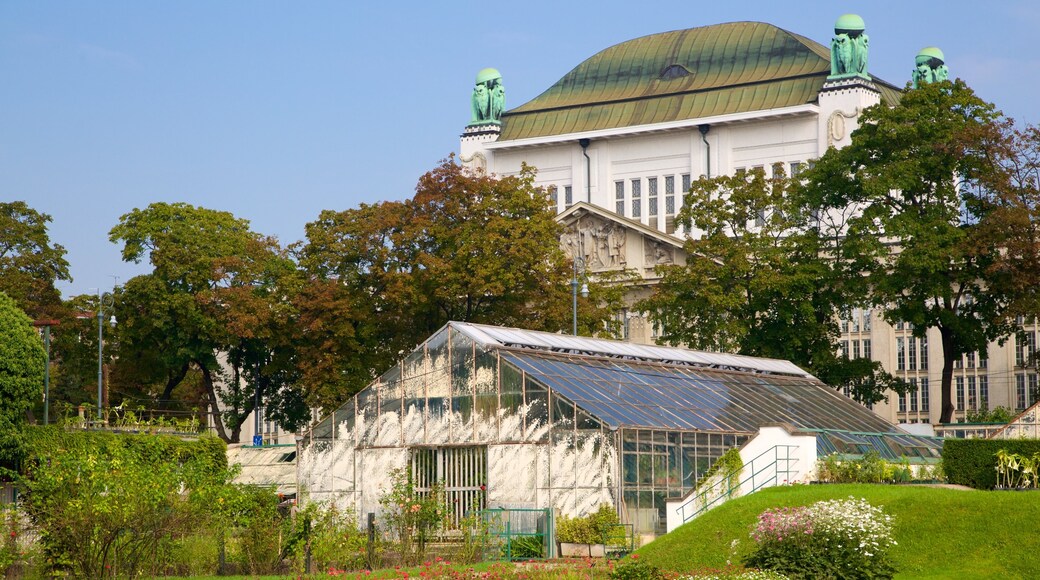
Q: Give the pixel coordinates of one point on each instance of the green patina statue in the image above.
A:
(849, 48)
(930, 66)
(489, 98)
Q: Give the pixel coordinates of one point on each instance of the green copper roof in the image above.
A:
(678, 75)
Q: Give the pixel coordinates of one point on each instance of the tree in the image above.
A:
(914, 236)
(22, 361)
(1010, 202)
(758, 281)
(29, 263)
(468, 247)
(218, 294)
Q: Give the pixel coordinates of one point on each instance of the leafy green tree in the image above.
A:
(218, 293)
(758, 281)
(468, 247)
(29, 263)
(901, 202)
(22, 362)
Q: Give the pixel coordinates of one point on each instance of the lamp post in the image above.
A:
(46, 325)
(574, 290)
(105, 300)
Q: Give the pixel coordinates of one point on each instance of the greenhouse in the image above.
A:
(508, 418)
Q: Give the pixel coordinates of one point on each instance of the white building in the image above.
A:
(620, 137)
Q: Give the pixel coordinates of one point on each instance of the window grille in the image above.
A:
(651, 196)
(637, 198)
(461, 470)
(619, 197)
(568, 195)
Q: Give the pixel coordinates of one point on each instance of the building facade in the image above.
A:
(619, 139)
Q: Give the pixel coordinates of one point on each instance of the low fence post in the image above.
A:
(370, 554)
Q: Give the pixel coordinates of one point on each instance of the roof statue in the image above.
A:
(930, 66)
(849, 48)
(489, 98)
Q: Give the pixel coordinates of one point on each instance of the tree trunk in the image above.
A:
(172, 382)
(218, 420)
(949, 355)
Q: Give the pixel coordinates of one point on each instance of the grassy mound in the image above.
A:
(942, 533)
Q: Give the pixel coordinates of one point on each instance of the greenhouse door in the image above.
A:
(461, 470)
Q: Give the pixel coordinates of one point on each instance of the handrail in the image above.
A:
(700, 496)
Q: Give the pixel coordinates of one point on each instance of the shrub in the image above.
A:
(973, 462)
(591, 529)
(871, 468)
(411, 516)
(333, 536)
(632, 568)
(829, 539)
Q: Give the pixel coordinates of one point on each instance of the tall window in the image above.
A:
(844, 349)
(637, 198)
(901, 353)
(855, 349)
(902, 403)
(866, 320)
(866, 348)
(924, 353)
(568, 195)
(619, 197)
(796, 168)
(971, 360)
(669, 195)
(924, 395)
(984, 390)
(651, 196)
(1032, 388)
(913, 354)
(554, 198)
(855, 319)
(1020, 392)
(973, 396)
(686, 182)
(960, 393)
(913, 394)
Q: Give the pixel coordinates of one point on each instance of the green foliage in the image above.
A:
(29, 263)
(112, 505)
(829, 539)
(916, 172)
(22, 362)
(730, 464)
(527, 547)
(591, 529)
(332, 536)
(974, 462)
(411, 516)
(216, 287)
(467, 247)
(986, 415)
(632, 568)
(760, 281)
(871, 468)
(975, 543)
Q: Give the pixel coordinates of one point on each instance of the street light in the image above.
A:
(105, 300)
(46, 325)
(574, 289)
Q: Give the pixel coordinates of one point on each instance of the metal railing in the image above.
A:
(519, 533)
(765, 470)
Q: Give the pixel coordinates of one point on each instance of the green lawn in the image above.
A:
(941, 533)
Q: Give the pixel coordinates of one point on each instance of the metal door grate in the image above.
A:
(461, 470)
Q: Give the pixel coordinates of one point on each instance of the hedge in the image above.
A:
(973, 462)
(210, 452)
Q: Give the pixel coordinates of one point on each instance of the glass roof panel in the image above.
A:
(633, 393)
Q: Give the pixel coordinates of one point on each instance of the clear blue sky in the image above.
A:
(275, 111)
